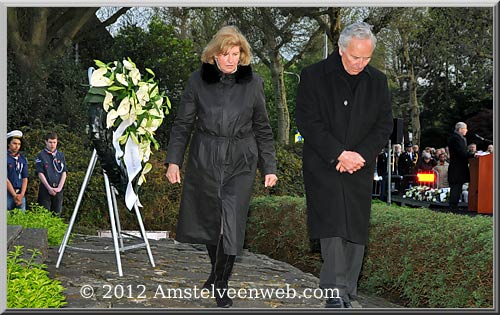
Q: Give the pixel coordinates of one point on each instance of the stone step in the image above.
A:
(13, 232)
(29, 238)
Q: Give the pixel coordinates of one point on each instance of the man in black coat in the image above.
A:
(344, 114)
(458, 171)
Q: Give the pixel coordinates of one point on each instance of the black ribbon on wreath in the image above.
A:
(102, 140)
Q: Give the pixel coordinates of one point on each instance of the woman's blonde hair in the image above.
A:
(226, 38)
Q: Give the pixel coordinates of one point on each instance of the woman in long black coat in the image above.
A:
(224, 103)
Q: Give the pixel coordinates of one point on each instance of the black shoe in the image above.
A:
(221, 297)
(209, 284)
(347, 304)
(335, 303)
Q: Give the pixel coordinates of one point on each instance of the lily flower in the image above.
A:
(135, 75)
(143, 95)
(128, 65)
(120, 77)
(98, 79)
(124, 108)
(111, 117)
(108, 101)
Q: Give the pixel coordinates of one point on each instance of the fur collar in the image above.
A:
(211, 74)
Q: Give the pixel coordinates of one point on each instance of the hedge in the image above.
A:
(29, 284)
(39, 217)
(160, 199)
(415, 257)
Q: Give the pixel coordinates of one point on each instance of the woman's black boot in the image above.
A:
(212, 252)
(223, 268)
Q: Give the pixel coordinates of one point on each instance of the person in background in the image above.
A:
(407, 167)
(382, 171)
(426, 163)
(438, 152)
(344, 114)
(442, 169)
(458, 170)
(50, 165)
(396, 153)
(17, 171)
(416, 155)
(397, 179)
(472, 148)
(224, 106)
(490, 148)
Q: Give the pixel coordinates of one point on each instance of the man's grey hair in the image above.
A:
(360, 30)
(459, 125)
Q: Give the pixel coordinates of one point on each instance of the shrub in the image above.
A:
(277, 227)
(160, 199)
(29, 285)
(39, 217)
(290, 180)
(430, 259)
(416, 257)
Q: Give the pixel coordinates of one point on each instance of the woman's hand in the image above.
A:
(173, 173)
(270, 180)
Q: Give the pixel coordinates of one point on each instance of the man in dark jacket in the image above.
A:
(344, 114)
(458, 171)
(51, 169)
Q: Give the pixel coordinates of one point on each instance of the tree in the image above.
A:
(43, 72)
(459, 64)
(403, 53)
(274, 33)
(36, 35)
(160, 49)
(440, 60)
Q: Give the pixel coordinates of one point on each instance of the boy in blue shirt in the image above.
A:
(50, 167)
(17, 172)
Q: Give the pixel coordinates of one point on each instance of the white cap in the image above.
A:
(15, 133)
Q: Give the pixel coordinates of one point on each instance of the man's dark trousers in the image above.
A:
(342, 261)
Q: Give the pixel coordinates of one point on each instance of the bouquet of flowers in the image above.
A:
(426, 193)
(134, 109)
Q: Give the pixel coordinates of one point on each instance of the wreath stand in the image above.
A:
(114, 218)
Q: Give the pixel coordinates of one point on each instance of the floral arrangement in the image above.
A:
(426, 193)
(135, 109)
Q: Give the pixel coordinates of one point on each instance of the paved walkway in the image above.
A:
(180, 271)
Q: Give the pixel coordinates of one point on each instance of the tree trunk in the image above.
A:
(280, 100)
(413, 100)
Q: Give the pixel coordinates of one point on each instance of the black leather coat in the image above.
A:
(231, 135)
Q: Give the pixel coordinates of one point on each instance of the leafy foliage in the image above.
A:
(56, 102)
(430, 259)
(159, 49)
(277, 227)
(417, 257)
(39, 217)
(160, 199)
(29, 285)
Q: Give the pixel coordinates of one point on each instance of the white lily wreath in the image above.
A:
(135, 109)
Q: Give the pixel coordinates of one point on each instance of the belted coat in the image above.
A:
(332, 118)
(231, 136)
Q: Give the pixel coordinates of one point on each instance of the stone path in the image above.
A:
(180, 271)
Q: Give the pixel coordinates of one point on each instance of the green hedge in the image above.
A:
(39, 217)
(160, 199)
(415, 257)
(29, 285)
